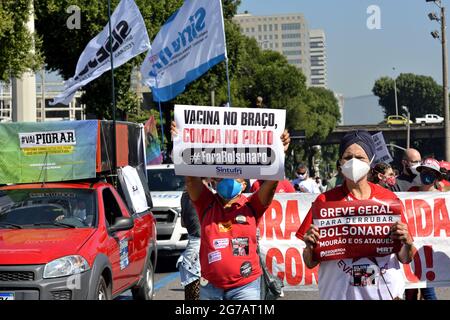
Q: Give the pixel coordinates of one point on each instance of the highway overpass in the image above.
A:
(390, 132)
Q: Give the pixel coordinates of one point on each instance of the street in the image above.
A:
(168, 287)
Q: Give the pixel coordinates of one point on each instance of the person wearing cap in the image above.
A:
(356, 152)
(430, 175)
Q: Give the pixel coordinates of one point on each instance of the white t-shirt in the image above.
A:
(337, 279)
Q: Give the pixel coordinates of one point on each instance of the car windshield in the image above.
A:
(47, 208)
(164, 180)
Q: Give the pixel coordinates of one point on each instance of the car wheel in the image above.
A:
(103, 292)
(422, 124)
(146, 290)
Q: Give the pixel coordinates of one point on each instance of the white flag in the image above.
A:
(190, 43)
(129, 39)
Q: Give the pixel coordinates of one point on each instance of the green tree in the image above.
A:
(16, 42)
(421, 94)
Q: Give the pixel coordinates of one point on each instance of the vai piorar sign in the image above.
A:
(229, 142)
(355, 229)
(50, 151)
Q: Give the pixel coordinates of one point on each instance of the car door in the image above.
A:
(120, 244)
(140, 237)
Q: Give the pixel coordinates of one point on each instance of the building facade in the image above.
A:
(287, 34)
(318, 58)
(46, 89)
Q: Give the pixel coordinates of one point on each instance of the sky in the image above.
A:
(358, 56)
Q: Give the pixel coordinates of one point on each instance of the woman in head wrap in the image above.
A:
(337, 278)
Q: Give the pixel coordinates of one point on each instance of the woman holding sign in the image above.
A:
(228, 257)
(356, 228)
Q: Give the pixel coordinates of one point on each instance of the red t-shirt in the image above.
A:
(228, 255)
(341, 193)
(284, 186)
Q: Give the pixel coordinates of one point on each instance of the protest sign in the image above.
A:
(382, 152)
(427, 214)
(355, 229)
(229, 142)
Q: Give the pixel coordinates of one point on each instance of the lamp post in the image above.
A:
(396, 99)
(443, 38)
(408, 127)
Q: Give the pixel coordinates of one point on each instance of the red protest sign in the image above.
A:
(355, 229)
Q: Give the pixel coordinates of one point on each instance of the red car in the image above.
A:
(73, 241)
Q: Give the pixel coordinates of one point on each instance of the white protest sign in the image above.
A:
(382, 152)
(229, 142)
(427, 215)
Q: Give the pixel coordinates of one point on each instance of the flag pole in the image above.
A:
(226, 56)
(228, 78)
(113, 93)
(160, 113)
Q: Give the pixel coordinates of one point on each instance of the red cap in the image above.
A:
(444, 164)
(430, 163)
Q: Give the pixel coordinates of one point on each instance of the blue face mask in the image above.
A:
(427, 178)
(228, 188)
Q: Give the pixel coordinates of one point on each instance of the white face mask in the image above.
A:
(301, 177)
(355, 169)
(414, 169)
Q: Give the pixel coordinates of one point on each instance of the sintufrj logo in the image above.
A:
(229, 171)
(185, 38)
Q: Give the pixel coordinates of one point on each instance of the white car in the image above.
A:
(430, 118)
(166, 189)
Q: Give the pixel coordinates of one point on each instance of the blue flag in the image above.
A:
(190, 43)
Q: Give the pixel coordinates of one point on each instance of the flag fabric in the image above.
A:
(129, 39)
(190, 43)
(153, 153)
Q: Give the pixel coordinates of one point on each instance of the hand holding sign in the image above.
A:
(286, 139)
(312, 237)
(399, 231)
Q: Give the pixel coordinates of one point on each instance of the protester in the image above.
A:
(430, 174)
(409, 177)
(303, 183)
(383, 175)
(338, 179)
(356, 152)
(229, 221)
(445, 167)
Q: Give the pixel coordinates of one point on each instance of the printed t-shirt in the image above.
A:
(228, 256)
(358, 279)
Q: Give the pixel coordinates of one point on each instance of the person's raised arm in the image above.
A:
(194, 185)
(267, 190)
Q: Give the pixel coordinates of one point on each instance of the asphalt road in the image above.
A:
(168, 287)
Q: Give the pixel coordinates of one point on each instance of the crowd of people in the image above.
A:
(222, 259)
